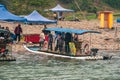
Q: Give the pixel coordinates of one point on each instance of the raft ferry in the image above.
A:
(6, 46)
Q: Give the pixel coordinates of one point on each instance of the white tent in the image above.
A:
(59, 11)
(59, 8)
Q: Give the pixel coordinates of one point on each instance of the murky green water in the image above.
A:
(35, 67)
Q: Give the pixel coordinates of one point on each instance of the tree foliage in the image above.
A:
(66, 1)
(27, 6)
(113, 3)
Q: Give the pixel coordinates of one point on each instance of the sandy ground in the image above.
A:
(107, 40)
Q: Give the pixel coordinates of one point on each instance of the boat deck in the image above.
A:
(62, 53)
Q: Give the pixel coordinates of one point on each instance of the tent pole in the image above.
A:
(115, 35)
(90, 40)
(115, 32)
(26, 32)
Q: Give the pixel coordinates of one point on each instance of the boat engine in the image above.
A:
(94, 51)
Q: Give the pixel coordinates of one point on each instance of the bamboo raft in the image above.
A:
(8, 58)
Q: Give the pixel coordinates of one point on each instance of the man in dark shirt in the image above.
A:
(68, 38)
(18, 31)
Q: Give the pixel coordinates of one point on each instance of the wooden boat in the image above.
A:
(49, 53)
(83, 48)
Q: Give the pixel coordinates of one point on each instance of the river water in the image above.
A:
(36, 67)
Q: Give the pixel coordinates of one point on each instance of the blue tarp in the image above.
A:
(118, 20)
(35, 17)
(80, 32)
(58, 8)
(5, 15)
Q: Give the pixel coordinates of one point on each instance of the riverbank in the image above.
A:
(107, 40)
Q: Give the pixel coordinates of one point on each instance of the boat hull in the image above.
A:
(65, 56)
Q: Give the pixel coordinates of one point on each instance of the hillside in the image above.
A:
(23, 7)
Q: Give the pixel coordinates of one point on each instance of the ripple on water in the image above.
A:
(34, 67)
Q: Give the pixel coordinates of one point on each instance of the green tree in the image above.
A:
(66, 1)
(113, 3)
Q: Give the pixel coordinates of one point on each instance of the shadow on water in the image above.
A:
(35, 67)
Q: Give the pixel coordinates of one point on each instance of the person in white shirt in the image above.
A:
(42, 39)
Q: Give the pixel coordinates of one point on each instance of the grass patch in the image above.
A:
(78, 15)
(91, 17)
(116, 15)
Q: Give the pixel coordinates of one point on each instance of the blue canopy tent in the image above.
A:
(35, 17)
(80, 32)
(5, 15)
